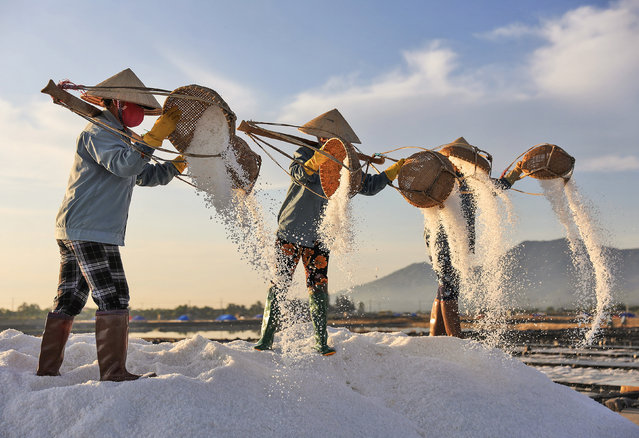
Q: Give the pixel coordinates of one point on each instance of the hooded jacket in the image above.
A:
(105, 169)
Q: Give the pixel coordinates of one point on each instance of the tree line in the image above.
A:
(343, 305)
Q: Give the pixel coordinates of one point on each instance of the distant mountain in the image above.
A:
(541, 275)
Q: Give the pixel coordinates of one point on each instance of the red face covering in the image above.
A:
(132, 114)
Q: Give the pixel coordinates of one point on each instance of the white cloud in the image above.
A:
(591, 54)
(427, 74)
(610, 163)
(38, 140)
(513, 30)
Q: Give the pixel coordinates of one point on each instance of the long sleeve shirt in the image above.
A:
(105, 169)
(301, 212)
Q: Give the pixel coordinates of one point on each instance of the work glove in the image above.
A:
(180, 163)
(393, 170)
(508, 179)
(312, 165)
(163, 127)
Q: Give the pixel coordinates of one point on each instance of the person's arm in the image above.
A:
(507, 180)
(298, 169)
(373, 184)
(114, 154)
(160, 174)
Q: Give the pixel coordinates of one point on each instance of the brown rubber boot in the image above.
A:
(452, 322)
(437, 327)
(111, 341)
(54, 338)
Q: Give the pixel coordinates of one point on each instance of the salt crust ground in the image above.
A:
(377, 385)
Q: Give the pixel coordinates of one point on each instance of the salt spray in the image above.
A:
(495, 221)
(580, 215)
(239, 212)
(483, 276)
(554, 193)
(336, 232)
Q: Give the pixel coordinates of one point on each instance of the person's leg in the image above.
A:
(71, 297)
(287, 256)
(315, 262)
(448, 291)
(452, 321)
(101, 266)
(437, 327)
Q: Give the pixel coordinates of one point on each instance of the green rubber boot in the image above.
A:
(270, 321)
(318, 299)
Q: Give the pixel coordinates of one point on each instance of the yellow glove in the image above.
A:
(393, 170)
(163, 127)
(180, 163)
(514, 175)
(312, 165)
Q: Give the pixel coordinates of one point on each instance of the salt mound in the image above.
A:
(377, 385)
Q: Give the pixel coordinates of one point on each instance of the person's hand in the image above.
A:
(508, 179)
(312, 165)
(180, 163)
(163, 127)
(393, 170)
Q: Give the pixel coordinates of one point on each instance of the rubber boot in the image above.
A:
(111, 341)
(452, 322)
(270, 321)
(318, 299)
(437, 327)
(54, 338)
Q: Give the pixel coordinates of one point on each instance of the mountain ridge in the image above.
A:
(542, 275)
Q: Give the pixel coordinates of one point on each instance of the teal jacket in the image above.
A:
(301, 211)
(105, 170)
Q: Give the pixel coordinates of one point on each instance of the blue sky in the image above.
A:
(505, 75)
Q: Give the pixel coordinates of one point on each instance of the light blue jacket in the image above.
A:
(301, 211)
(105, 170)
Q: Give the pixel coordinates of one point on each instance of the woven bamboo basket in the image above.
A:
(548, 161)
(250, 163)
(469, 154)
(193, 101)
(330, 171)
(426, 179)
(192, 109)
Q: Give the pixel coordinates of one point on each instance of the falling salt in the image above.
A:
(577, 216)
(495, 222)
(336, 228)
(239, 212)
(336, 233)
(484, 274)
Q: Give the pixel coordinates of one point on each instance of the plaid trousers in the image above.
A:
(90, 267)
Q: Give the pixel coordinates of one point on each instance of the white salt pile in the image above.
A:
(377, 385)
(240, 212)
(586, 242)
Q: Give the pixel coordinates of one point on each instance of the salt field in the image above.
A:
(376, 385)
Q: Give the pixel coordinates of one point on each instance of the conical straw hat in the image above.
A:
(126, 78)
(461, 141)
(331, 124)
(463, 150)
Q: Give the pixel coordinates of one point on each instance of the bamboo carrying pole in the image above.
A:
(251, 128)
